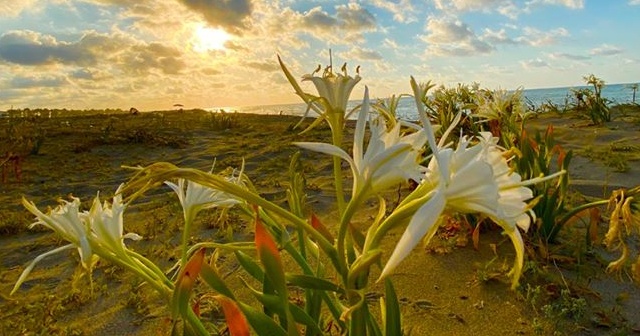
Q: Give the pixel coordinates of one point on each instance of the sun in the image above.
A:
(207, 39)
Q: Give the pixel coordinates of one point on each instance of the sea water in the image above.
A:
(561, 96)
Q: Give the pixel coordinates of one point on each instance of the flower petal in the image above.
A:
(33, 263)
(421, 223)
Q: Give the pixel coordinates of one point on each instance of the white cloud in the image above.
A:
(12, 8)
(497, 37)
(534, 63)
(453, 38)
(634, 2)
(573, 4)
(346, 26)
(509, 8)
(391, 44)
(504, 7)
(37, 81)
(402, 11)
(568, 56)
(231, 15)
(363, 54)
(468, 5)
(537, 38)
(605, 50)
(265, 65)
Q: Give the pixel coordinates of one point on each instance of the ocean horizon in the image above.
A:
(560, 96)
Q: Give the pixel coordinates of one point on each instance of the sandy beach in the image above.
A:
(448, 288)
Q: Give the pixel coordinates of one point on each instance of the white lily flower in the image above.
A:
(106, 222)
(333, 95)
(89, 232)
(66, 221)
(195, 197)
(335, 89)
(473, 179)
(390, 158)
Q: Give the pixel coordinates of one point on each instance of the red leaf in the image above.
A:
(264, 242)
(315, 222)
(475, 236)
(549, 131)
(236, 322)
(191, 270)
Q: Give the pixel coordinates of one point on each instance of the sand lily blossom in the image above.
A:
(195, 197)
(334, 90)
(66, 221)
(469, 179)
(98, 232)
(390, 158)
(106, 222)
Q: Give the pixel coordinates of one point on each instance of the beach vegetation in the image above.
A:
(634, 88)
(539, 154)
(591, 103)
(216, 250)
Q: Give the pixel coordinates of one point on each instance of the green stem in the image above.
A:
(195, 322)
(162, 287)
(358, 321)
(336, 137)
(345, 221)
(407, 208)
(306, 269)
(577, 209)
(189, 216)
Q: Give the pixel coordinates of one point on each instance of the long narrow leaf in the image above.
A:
(393, 323)
(311, 282)
(249, 265)
(185, 283)
(273, 303)
(236, 321)
(262, 324)
(211, 278)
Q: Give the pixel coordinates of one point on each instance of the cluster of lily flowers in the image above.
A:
(470, 177)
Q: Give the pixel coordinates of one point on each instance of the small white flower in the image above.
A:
(335, 89)
(195, 197)
(93, 233)
(106, 223)
(390, 158)
(474, 179)
(66, 221)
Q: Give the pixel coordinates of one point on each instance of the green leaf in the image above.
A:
(362, 265)
(249, 265)
(274, 303)
(392, 319)
(262, 324)
(311, 282)
(211, 277)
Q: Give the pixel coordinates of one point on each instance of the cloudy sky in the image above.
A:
(152, 54)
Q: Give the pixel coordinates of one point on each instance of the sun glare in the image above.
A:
(210, 39)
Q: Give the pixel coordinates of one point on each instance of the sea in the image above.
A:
(560, 96)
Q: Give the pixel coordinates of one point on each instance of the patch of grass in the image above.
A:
(13, 222)
(223, 121)
(612, 156)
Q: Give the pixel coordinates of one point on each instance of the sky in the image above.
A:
(153, 54)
